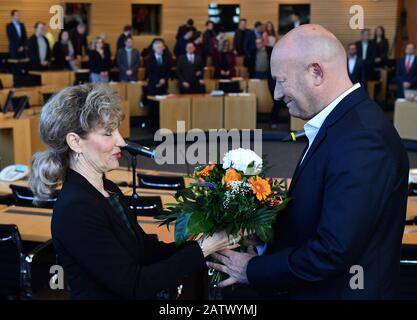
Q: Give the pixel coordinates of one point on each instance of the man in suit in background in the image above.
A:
(39, 52)
(340, 236)
(128, 60)
(190, 71)
(127, 32)
(367, 52)
(295, 20)
(240, 37)
(407, 71)
(183, 29)
(250, 40)
(16, 34)
(355, 65)
(157, 72)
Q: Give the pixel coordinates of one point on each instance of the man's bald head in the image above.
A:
(313, 60)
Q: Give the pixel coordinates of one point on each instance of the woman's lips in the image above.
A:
(117, 155)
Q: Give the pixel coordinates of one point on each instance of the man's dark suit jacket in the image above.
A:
(357, 75)
(155, 72)
(33, 53)
(348, 209)
(122, 63)
(402, 76)
(186, 71)
(102, 259)
(14, 40)
(250, 42)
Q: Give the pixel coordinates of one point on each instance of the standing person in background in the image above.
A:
(128, 61)
(16, 34)
(190, 71)
(295, 20)
(182, 41)
(79, 40)
(240, 37)
(355, 65)
(209, 36)
(367, 50)
(127, 32)
(183, 29)
(269, 35)
(39, 52)
(224, 62)
(250, 41)
(99, 62)
(63, 52)
(381, 47)
(406, 71)
(259, 68)
(157, 72)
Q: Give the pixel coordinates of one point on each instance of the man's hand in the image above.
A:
(44, 63)
(20, 49)
(161, 81)
(186, 84)
(201, 81)
(129, 72)
(234, 264)
(407, 85)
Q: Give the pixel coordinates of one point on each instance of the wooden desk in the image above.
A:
(6, 80)
(56, 77)
(34, 224)
(33, 93)
(173, 86)
(206, 112)
(405, 115)
(410, 235)
(134, 92)
(173, 109)
(263, 96)
(411, 208)
(120, 88)
(240, 111)
(19, 139)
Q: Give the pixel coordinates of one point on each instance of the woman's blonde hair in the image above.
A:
(78, 109)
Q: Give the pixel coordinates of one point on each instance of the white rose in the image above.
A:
(244, 160)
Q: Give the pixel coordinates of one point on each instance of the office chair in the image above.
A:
(24, 197)
(22, 274)
(161, 182)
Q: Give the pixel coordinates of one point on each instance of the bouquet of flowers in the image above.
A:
(234, 196)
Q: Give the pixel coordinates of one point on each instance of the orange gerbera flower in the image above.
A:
(231, 175)
(206, 171)
(260, 187)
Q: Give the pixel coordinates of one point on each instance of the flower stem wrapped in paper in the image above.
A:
(235, 197)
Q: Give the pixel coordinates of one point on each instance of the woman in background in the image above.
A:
(63, 52)
(269, 36)
(99, 61)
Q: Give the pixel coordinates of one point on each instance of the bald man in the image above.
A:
(340, 237)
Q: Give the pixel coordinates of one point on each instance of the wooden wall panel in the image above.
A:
(110, 16)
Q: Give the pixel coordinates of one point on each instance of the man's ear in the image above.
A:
(74, 142)
(317, 72)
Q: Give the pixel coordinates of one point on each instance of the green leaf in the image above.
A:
(198, 224)
(181, 231)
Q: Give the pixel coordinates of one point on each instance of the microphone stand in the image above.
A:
(135, 196)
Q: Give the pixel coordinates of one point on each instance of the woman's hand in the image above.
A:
(218, 241)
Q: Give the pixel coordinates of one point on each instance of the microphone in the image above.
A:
(135, 149)
(294, 136)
